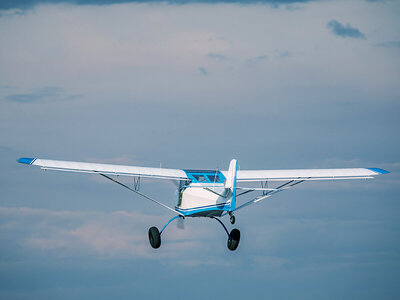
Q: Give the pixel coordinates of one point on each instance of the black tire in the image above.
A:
(154, 237)
(233, 239)
(232, 219)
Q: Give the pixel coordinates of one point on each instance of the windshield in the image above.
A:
(200, 177)
(213, 178)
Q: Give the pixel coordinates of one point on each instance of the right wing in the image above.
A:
(308, 174)
(292, 178)
(108, 169)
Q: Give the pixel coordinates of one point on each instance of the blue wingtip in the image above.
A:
(379, 171)
(26, 160)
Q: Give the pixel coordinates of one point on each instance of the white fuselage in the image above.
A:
(203, 199)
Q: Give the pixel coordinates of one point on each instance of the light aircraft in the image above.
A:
(207, 193)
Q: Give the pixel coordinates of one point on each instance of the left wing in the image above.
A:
(107, 169)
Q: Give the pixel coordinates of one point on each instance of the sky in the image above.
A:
(193, 84)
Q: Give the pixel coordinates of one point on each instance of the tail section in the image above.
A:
(230, 183)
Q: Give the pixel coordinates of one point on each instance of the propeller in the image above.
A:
(180, 223)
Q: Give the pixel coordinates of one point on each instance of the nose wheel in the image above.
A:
(232, 219)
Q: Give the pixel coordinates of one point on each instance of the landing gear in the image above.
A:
(232, 219)
(154, 237)
(233, 239)
(233, 236)
(155, 234)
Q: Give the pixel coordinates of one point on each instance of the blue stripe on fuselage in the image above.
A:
(197, 210)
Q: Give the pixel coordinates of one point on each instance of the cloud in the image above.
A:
(12, 12)
(285, 54)
(70, 233)
(344, 31)
(262, 57)
(50, 93)
(138, 67)
(216, 56)
(25, 4)
(251, 62)
(390, 44)
(203, 71)
(117, 234)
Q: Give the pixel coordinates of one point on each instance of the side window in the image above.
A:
(214, 178)
(200, 177)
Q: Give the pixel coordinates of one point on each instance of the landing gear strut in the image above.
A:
(232, 218)
(233, 236)
(155, 234)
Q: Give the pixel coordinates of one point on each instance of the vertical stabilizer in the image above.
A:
(230, 183)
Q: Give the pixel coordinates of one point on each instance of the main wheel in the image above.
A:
(154, 237)
(233, 239)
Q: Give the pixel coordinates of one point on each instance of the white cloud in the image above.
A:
(103, 235)
(126, 50)
(137, 69)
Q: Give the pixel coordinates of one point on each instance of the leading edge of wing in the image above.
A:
(123, 170)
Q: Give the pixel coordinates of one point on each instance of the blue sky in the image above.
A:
(275, 84)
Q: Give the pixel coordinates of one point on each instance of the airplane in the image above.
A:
(207, 193)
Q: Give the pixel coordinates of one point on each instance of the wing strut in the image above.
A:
(139, 193)
(269, 192)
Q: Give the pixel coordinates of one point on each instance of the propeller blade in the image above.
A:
(180, 223)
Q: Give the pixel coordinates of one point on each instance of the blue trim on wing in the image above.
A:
(26, 160)
(379, 171)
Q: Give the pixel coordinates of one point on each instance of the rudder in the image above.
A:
(230, 183)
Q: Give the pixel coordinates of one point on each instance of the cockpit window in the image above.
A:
(213, 178)
(200, 177)
(205, 176)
